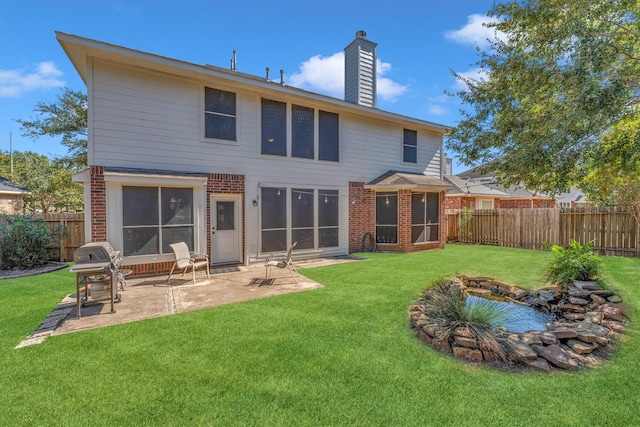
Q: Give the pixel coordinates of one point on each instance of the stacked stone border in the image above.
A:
(589, 321)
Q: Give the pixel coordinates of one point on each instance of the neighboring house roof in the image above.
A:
(10, 187)
(394, 180)
(513, 192)
(572, 195)
(469, 188)
(78, 49)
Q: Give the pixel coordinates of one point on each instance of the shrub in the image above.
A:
(577, 262)
(24, 240)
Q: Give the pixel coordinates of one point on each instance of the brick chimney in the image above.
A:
(360, 71)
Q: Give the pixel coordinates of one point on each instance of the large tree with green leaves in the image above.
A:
(66, 117)
(560, 77)
(48, 180)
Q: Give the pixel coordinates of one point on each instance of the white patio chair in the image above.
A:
(282, 261)
(186, 260)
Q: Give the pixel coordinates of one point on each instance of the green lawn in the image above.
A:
(339, 355)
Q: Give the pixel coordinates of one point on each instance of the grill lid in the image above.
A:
(95, 252)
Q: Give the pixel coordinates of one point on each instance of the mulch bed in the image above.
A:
(17, 272)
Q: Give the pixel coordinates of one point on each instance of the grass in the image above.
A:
(339, 355)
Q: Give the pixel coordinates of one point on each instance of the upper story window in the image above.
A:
(303, 133)
(274, 127)
(329, 141)
(219, 114)
(410, 146)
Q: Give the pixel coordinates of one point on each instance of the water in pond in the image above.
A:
(514, 317)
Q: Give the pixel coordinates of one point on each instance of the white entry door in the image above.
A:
(225, 228)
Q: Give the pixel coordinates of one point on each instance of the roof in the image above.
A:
(468, 187)
(394, 180)
(10, 187)
(80, 50)
(512, 192)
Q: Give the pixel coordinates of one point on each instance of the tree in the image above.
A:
(48, 180)
(565, 73)
(611, 180)
(67, 117)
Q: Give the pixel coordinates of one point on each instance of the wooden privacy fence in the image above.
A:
(613, 231)
(73, 229)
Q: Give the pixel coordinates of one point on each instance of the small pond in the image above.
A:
(514, 317)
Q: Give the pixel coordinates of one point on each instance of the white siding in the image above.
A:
(151, 120)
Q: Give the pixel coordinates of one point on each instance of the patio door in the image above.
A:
(225, 228)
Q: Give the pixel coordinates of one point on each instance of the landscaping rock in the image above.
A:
(580, 347)
(587, 336)
(594, 317)
(466, 341)
(564, 333)
(468, 354)
(539, 364)
(521, 348)
(556, 356)
(585, 323)
(578, 301)
(612, 313)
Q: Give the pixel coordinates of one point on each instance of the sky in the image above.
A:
(420, 43)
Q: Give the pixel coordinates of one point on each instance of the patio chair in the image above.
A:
(186, 260)
(282, 261)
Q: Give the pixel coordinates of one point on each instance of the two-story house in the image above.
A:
(239, 166)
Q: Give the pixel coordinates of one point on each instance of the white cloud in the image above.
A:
(475, 32)
(325, 74)
(437, 110)
(13, 83)
(475, 74)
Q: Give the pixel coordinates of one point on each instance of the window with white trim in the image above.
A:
(387, 217)
(219, 114)
(425, 217)
(155, 217)
(329, 136)
(410, 146)
(274, 127)
(302, 124)
(304, 120)
(304, 215)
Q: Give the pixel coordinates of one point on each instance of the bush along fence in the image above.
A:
(612, 231)
(72, 225)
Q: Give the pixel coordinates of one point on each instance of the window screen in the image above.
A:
(302, 221)
(387, 217)
(274, 219)
(410, 146)
(329, 146)
(327, 218)
(274, 127)
(155, 217)
(219, 114)
(425, 217)
(302, 132)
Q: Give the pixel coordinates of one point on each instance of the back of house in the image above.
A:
(240, 166)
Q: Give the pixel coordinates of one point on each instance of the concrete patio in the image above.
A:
(149, 297)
